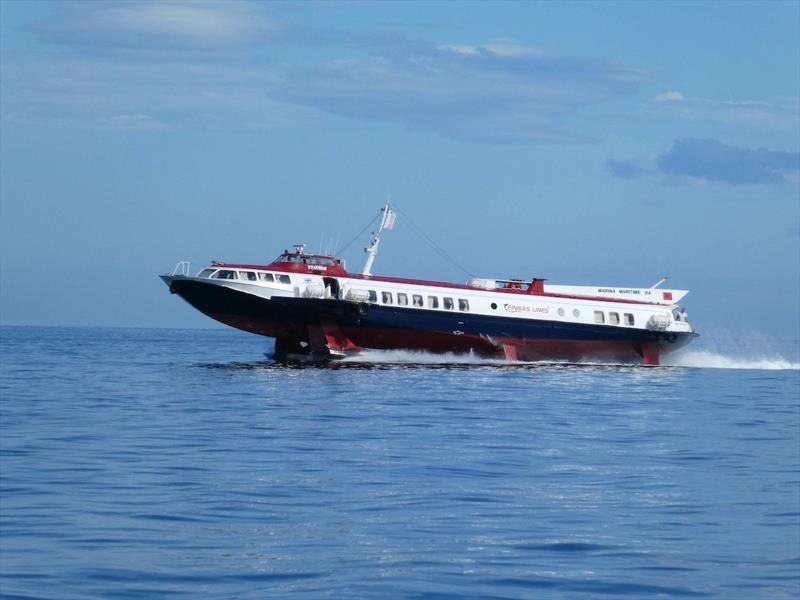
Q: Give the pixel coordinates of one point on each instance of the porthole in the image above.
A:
(560, 312)
(576, 313)
(494, 306)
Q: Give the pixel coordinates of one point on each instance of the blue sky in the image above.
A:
(589, 143)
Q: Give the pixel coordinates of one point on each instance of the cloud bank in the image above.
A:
(624, 170)
(778, 116)
(174, 64)
(711, 161)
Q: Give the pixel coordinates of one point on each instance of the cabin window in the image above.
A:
(433, 302)
(494, 306)
(284, 279)
(629, 319)
(448, 303)
(561, 312)
(463, 304)
(373, 295)
(416, 300)
(386, 297)
(576, 313)
(224, 274)
(599, 316)
(206, 273)
(247, 275)
(402, 299)
(266, 277)
(318, 260)
(613, 318)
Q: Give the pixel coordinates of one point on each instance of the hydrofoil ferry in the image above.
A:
(317, 310)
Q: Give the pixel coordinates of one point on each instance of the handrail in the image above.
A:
(182, 268)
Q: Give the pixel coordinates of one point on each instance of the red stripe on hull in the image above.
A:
(441, 343)
(512, 349)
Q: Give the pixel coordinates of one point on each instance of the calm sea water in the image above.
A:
(174, 463)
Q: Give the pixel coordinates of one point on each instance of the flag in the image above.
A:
(391, 216)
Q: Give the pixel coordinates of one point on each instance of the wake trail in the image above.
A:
(698, 359)
(705, 359)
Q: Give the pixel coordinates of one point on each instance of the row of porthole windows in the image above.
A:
(600, 316)
(418, 301)
(613, 318)
(244, 276)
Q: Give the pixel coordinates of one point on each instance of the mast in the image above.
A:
(372, 248)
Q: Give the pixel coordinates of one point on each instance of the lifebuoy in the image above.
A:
(362, 308)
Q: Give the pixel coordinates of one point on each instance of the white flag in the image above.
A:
(391, 216)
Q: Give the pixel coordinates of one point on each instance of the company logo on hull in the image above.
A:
(518, 308)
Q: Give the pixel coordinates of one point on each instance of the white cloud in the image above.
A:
(780, 115)
(671, 96)
(164, 24)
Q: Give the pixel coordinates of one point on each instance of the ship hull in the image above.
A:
(328, 328)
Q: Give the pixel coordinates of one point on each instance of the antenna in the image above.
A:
(660, 281)
(372, 248)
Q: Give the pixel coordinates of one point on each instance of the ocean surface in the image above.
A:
(163, 463)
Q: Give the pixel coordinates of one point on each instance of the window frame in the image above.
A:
(231, 272)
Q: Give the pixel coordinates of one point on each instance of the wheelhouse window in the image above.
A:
(373, 296)
(448, 303)
(225, 274)
(206, 273)
(463, 304)
(284, 279)
(386, 297)
(318, 260)
(402, 299)
(248, 276)
(266, 277)
(433, 302)
(629, 319)
(416, 300)
(599, 316)
(613, 318)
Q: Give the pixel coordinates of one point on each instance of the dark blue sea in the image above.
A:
(163, 463)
